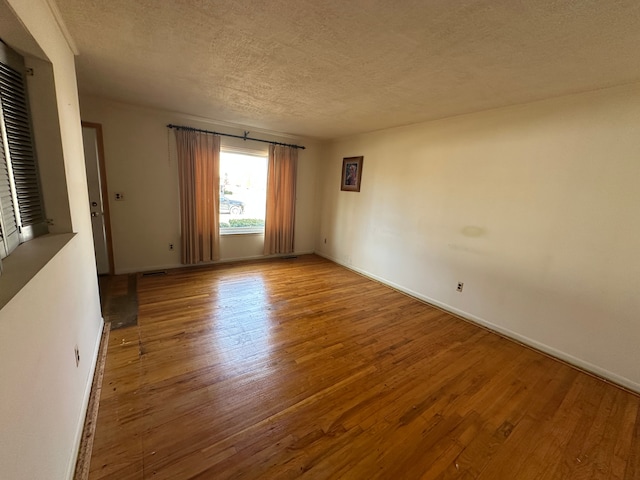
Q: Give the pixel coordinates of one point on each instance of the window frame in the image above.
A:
(19, 163)
(262, 154)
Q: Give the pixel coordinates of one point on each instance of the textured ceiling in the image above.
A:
(329, 68)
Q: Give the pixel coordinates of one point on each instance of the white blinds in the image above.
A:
(18, 131)
(8, 224)
(21, 209)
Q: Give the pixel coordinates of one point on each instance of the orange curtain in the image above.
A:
(281, 200)
(199, 176)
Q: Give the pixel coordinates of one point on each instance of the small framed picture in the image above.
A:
(351, 174)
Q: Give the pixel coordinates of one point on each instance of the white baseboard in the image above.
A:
(579, 363)
(260, 257)
(217, 262)
(71, 468)
(126, 271)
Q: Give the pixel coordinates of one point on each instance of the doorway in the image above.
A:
(98, 196)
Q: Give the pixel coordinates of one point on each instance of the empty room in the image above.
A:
(320, 240)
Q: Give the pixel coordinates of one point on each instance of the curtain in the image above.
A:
(281, 200)
(199, 176)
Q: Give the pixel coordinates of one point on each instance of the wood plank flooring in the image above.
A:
(302, 369)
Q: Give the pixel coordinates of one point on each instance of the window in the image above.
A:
(21, 211)
(243, 191)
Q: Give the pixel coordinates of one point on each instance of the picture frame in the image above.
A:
(351, 174)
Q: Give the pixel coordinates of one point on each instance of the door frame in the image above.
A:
(104, 190)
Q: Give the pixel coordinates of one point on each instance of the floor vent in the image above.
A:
(157, 273)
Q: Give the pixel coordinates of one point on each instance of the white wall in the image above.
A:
(44, 394)
(45, 120)
(140, 159)
(533, 207)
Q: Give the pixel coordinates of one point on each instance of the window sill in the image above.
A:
(26, 261)
(242, 231)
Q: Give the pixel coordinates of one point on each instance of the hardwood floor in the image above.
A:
(302, 369)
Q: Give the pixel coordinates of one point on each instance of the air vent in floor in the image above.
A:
(154, 274)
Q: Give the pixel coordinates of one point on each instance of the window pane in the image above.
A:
(243, 192)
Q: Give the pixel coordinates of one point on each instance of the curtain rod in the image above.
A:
(243, 137)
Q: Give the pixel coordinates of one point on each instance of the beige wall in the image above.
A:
(45, 120)
(141, 163)
(534, 208)
(44, 394)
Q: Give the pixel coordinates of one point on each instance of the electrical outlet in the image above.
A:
(77, 352)
(460, 286)
(119, 196)
(171, 246)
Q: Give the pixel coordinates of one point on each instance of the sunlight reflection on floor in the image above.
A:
(243, 324)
